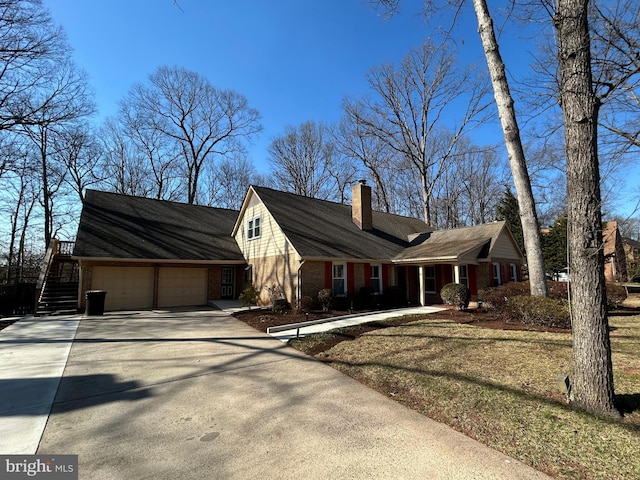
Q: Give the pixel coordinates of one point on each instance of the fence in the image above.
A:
(17, 299)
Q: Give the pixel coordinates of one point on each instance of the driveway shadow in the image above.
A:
(33, 396)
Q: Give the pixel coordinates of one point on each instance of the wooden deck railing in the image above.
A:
(65, 248)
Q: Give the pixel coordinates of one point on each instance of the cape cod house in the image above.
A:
(152, 253)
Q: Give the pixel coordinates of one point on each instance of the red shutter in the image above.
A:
(503, 273)
(367, 274)
(385, 276)
(447, 273)
(473, 279)
(328, 275)
(351, 281)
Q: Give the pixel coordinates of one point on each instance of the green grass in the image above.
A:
(500, 387)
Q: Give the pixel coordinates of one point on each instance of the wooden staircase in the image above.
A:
(57, 287)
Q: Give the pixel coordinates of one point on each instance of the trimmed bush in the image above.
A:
(393, 296)
(306, 304)
(542, 311)
(341, 302)
(456, 294)
(363, 299)
(249, 296)
(325, 297)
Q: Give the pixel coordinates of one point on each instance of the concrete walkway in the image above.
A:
(286, 332)
(33, 354)
(199, 394)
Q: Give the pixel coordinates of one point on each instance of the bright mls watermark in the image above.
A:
(51, 467)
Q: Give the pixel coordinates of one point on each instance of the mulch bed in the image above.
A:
(262, 319)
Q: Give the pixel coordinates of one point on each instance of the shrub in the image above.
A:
(456, 294)
(616, 294)
(364, 299)
(249, 296)
(305, 304)
(543, 311)
(325, 297)
(279, 305)
(275, 293)
(341, 302)
(496, 297)
(393, 296)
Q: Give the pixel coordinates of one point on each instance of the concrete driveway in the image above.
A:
(200, 395)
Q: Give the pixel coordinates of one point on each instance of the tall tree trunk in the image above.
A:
(592, 387)
(504, 102)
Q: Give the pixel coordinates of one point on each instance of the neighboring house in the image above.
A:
(303, 245)
(632, 254)
(151, 253)
(615, 259)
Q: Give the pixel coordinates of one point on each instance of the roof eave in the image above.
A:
(158, 260)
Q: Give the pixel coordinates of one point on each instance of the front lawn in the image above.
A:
(500, 387)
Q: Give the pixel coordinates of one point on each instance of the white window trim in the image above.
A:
(497, 276)
(426, 267)
(514, 272)
(378, 278)
(343, 278)
(251, 228)
(457, 275)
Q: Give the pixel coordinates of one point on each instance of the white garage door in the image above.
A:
(181, 287)
(128, 288)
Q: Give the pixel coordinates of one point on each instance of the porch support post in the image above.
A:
(456, 273)
(421, 285)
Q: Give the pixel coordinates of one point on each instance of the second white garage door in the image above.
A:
(181, 287)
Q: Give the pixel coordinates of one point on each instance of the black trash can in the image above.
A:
(95, 302)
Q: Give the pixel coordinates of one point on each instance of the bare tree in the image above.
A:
(159, 151)
(230, 178)
(69, 99)
(373, 153)
(76, 148)
(513, 142)
(593, 388)
(21, 192)
(31, 47)
(204, 122)
(409, 107)
(121, 168)
(302, 159)
(615, 40)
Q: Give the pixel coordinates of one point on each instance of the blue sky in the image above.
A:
(295, 60)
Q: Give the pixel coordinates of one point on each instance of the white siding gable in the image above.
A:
(271, 240)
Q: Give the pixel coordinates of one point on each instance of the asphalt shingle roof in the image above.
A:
(323, 229)
(122, 226)
(454, 243)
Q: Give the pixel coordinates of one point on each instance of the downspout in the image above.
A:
(299, 287)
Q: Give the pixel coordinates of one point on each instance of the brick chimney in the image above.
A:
(361, 205)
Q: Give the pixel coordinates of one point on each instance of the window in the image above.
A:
(339, 279)
(430, 279)
(464, 276)
(376, 278)
(460, 275)
(496, 274)
(514, 272)
(253, 228)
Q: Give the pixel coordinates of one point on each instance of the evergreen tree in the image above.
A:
(508, 210)
(554, 246)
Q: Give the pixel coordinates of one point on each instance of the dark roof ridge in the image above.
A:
(346, 205)
(151, 199)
